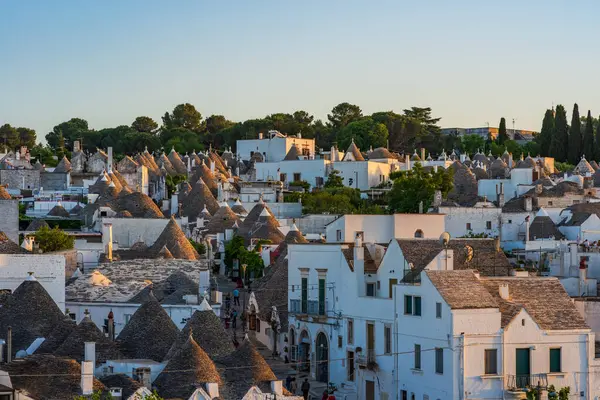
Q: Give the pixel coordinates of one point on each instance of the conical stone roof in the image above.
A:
(209, 178)
(4, 194)
(173, 238)
(295, 236)
(166, 164)
(7, 246)
(87, 331)
(208, 331)
(191, 366)
(36, 224)
(293, 154)
(223, 219)
(265, 228)
(197, 199)
(149, 334)
(356, 154)
(63, 166)
(238, 208)
(177, 162)
(253, 216)
(59, 211)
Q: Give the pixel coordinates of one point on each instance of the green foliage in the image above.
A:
(502, 134)
(172, 181)
(11, 138)
(183, 116)
(365, 132)
(338, 200)
(44, 154)
(471, 235)
(597, 145)
(200, 247)
(344, 114)
(303, 184)
(53, 239)
(235, 249)
(575, 140)
(98, 395)
(69, 131)
(563, 166)
(417, 185)
(472, 143)
(547, 132)
(144, 124)
(588, 137)
(334, 180)
(559, 144)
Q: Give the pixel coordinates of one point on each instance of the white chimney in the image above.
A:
(109, 162)
(87, 369)
(203, 281)
(503, 291)
(174, 203)
(107, 239)
(212, 389)
(277, 388)
(260, 135)
(28, 243)
(359, 264)
(165, 203)
(212, 166)
(446, 260)
(573, 252)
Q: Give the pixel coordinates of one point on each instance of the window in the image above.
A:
(418, 233)
(73, 316)
(438, 310)
(338, 235)
(321, 296)
(439, 361)
(550, 203)
(370, 289)
(488, 224)
(468, 226)
(304, 290)
(412, 396)
(491, 362)
(510, 221)
(340, 341)
(412, 305)
(297, 176)
(555, 360)
(350, 327)
(319, 181)
(417, 364)
(387, 339)
(127, 318)
(283, 177)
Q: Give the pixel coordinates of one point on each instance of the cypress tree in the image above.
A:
(588, 137)
(597, 144)
(575, 137)
(502, 135)
(545, 136)
(560, 140)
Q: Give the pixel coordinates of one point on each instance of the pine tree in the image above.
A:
(502, 135)
(588, 137)
(560, 140)
(575, 137)
(545, 136)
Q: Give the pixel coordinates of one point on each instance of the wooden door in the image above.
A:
(369, 390)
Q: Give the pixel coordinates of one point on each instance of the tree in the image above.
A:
(334, 180)
(26, 137)
(597, 144)
(53, 239)
(412, 187)
(215, 125)
(588, 137)
(502, 134)
(365, 132)
(9, 137)
(343, 114)
(43, 154)
(575, 145)
(144, 124)
(183, 116)
(547, 132)
(559, 144)
(235, 249)
(70, 131)
(472, 143)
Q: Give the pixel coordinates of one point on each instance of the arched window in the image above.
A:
(419, 233)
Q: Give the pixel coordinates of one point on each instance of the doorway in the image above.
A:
(322, 358)
(369, 390)
(523, 367)
(304, 352)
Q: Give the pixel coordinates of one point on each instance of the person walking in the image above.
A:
(236, 297)
(293, 386)
(288, 382)
(234, 319)
(305, 388)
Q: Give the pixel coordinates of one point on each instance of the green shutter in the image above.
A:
(417, 305)
(555, 360)
(321, 296)
(407, 304)
(304, 295)
(439, 361)
(417, 356)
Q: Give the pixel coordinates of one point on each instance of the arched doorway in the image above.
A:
(252, 322)
(419, 233)
(304, 352)
(292, 345)
(322, 350)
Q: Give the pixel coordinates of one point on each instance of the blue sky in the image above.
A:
(471, 61)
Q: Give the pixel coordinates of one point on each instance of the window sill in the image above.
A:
(491, 376)
(417, 371)
(556, 374)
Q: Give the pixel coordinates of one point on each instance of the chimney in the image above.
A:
(423, 154)
(463, 157)
(212, 389)
(527, 229)
(446, 260)
(9, 345)
(359, 264)
(228, 234)
(420, 207)
(87, 369)
(76, 146)
(143, 376)
(277, 388)
(111, 326)
(503, 291)
(174, 203)
(107, 238)
(109, 161)
(528, 203)
(260, 135)
(212, 166)
(437, 198)
(407, 161)
(583, 276)
(501, 196)
(573, 251)
(204, 282)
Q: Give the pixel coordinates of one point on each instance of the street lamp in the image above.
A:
(244, 267)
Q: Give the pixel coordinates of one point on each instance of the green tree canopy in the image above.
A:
(472, 143)
(365, 132)
(546, 133)
(53, 239)
(575, 140)
(502, 134)
(71, 130)
(588, 137)
(183, 116)
(343, 114)
(334, 180)
(9, 137)
(412, 187)
(144, 124)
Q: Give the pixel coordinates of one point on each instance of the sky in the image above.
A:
(471, 61)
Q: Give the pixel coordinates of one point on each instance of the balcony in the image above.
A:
(312, 308)
(366, 359)
(516, 383)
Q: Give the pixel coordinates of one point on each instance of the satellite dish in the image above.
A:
(444, 238)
